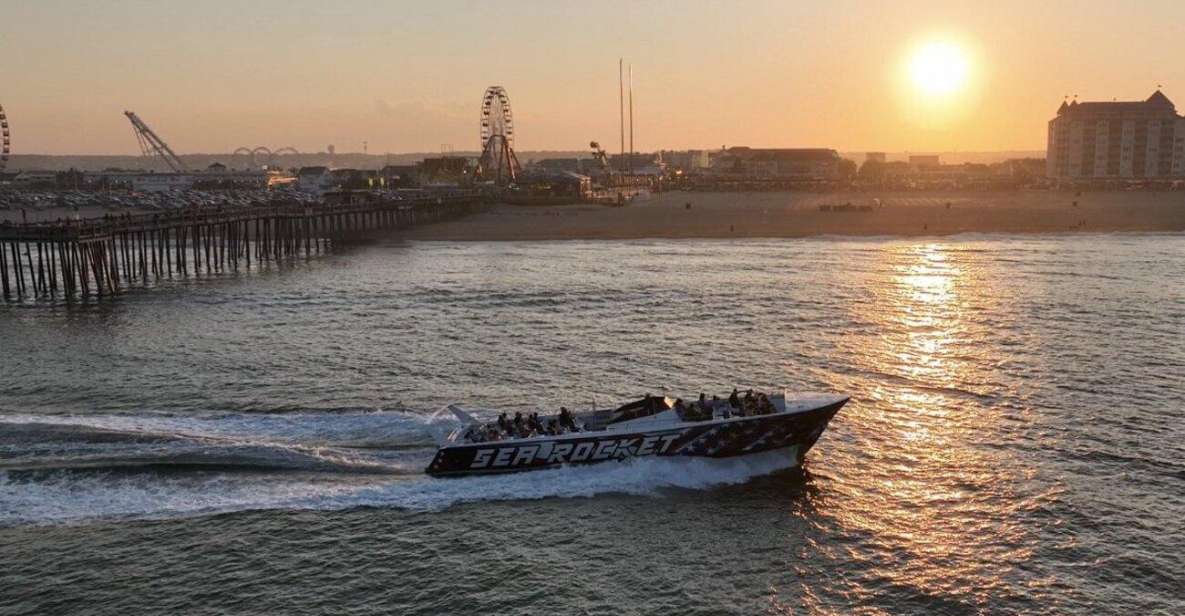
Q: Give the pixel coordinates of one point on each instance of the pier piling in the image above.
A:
(120, 251)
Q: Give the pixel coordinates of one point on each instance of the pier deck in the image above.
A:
(101, 256)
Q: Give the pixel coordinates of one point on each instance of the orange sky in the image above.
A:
(212, 76)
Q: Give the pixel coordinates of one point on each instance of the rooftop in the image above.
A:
(799, 154)
(1157, 102)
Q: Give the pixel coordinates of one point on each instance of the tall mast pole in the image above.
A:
(631, 119)
(621, 105)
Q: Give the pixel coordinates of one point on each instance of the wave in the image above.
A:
(70, 498)
(987, 398)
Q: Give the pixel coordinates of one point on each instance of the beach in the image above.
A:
(797, 214)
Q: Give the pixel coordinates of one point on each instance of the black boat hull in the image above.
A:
(711, 439)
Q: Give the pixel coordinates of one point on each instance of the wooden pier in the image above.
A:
(102, 256)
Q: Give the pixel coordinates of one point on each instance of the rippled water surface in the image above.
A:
(255, 443)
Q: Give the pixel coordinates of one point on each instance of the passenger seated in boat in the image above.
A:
(749, 404)
(705, 410)
(566, 419)
(734, 400)
(521, 426)
(503, 423)
(682, 412)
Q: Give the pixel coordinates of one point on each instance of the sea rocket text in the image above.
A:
(584, 451)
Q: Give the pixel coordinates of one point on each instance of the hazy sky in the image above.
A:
(210, 75)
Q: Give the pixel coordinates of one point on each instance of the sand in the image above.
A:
(796, 214)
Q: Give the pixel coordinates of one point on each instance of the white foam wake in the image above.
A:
(378, 428)
(72, 498)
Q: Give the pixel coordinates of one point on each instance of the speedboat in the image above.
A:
(651, 426)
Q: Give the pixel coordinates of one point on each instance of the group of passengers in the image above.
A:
(523, 427)
(703, 409)
(527, 426)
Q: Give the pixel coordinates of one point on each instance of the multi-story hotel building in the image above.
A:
(1117, 140)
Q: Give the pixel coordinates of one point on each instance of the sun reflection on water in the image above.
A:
(923, 484)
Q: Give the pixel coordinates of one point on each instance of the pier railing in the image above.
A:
(72, 258)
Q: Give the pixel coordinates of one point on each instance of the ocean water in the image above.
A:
(254, 443)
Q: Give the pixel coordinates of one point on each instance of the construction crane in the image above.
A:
(152, 145)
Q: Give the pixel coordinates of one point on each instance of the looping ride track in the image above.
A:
(269, 155)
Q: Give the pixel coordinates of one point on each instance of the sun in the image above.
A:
(939, 68)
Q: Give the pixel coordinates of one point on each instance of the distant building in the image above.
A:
(778, 163)
(399, 176)
(923, 162)
(446, 170)
(544, 185)
(314, 179)
(875, 157)
(896, 170)
(560, 164)
(687, 161)
(635, 161)
(1024, 168)
(356, 179)
(1114, 140)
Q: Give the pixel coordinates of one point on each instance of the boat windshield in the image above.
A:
(640, 408)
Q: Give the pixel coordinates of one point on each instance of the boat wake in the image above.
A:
(74, 469)
(370, 443)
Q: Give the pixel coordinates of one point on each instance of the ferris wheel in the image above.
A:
(496, 118)
(498, 163)
(5, 136)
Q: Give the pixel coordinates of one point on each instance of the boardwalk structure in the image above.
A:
(102, 256)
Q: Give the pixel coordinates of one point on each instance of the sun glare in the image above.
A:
(938, 68)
